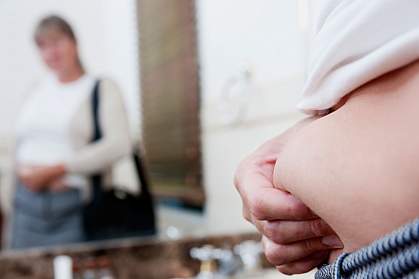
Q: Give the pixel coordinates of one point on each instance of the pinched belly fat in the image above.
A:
(358, 168)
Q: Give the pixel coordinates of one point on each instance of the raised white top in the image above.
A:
(354, 42)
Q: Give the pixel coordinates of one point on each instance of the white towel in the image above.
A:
(355, 41)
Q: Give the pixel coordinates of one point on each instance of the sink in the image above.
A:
(275, 274)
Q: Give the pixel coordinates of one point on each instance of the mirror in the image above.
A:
(88, 96)
(203, 83)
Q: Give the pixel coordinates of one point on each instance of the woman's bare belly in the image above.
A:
(358, 167)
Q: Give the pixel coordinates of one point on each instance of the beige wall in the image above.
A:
(240, 112)
(225, 145)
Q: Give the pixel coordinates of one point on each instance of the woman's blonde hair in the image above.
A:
(53, 23)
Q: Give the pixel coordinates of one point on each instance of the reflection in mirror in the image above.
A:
(103, 112)
(80, 169)
(145, 54)
(71, 135)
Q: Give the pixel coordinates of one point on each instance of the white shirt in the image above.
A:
(354, 42)
(55, 126)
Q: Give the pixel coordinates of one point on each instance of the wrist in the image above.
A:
(57, 171)
(60, 170)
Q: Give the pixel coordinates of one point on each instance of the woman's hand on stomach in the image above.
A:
(294, 239)
(39, 178)
(58, 185)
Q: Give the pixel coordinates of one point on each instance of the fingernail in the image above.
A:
(332, 241)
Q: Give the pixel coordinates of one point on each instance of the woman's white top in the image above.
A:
(354, 42)
(55, 126)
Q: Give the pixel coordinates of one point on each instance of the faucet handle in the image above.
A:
(223, 254)
(204, 253)
(249, 252)
(229, 263)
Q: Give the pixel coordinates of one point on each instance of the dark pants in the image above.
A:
(46, 218)
(395, 256)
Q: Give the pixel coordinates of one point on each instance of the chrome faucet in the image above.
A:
(244, 260)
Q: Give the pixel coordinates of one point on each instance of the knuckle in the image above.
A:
(238, 174)
(236, 179)
(316, 227)
(281, 238)
(301, 231)
(236, 183)
(246, 215)
(277, 232)
(310, 245)
(257, 208)
(240, 177)
(295, 208)
(247, 218)
(269, 230)
(274, 255)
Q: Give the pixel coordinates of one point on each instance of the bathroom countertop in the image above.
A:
(129, 258)
(274, 274)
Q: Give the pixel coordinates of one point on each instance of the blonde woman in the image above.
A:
(54, 155)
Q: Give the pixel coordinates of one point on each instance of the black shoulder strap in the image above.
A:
(97, 131)
(96, 179)
(97, 135)
(142, 176)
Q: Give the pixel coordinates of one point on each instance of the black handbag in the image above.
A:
(115, 213)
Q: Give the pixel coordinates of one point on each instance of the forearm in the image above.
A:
(115, 142)
(98, 156)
